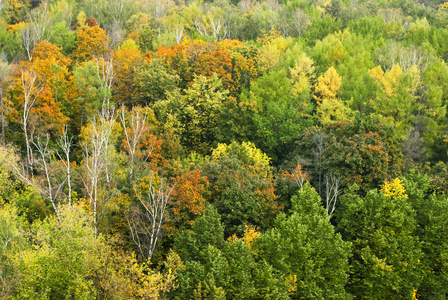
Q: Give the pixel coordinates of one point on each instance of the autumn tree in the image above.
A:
(189, 199)
(329, 108)
(90, 43)
(126, 60)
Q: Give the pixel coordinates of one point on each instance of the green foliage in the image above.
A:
(31, 205)
(11, 44)
(56, 265)
(386, 251)
(279, 117)
(321, 27)
(194, 112)
(364, 151)
(431, 230)
(154, 81)
(91, 89)
(63, 37)
(305, 246)
(222, 270)
(242, 189)
(228, 120)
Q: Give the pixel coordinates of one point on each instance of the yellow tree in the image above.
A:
(302, 74)
(329, 108)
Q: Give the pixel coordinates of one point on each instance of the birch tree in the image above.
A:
(65, 143)
(31, 89)
(96, 144)
(332, 192)
(300, 21)
(136, 130)
(216, 21)
(46, 178)
(4, 69)
(146, 224)
(37, 29)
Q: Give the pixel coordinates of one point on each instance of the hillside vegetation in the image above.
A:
(227, 149)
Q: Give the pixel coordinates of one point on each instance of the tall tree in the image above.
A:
(386, 251)
(305, 248)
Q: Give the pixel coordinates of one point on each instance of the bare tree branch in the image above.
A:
(332, 192)
(31, 89)
(146, 225)
(65, 143)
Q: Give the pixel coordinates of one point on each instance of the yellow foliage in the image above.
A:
(267, 38)
(328, 86)
(414, 294)
(291, 280)
(269, 54)
(419, 24)
(81, 21)
(381, 264)
(302, 75)
(333, 110)
(249, 150)
(250, 235)
(323, 5)
(129, 44)
(395, 189)
(387, 80)
(332, 46)
(416, 82)
(443, 6)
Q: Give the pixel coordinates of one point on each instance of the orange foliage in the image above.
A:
(50, 65)
(91, 42)
(47, 114)
(125, 62)
(201, 58)
(188, 197)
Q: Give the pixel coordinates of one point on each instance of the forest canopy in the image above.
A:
(223, 149)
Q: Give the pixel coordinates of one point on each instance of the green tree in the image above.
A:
(386, 251)
(56, 265)
(431, 230)
(306, 247)
(154, 81)
(242, 186)
(279, 117)
(364, 151)
(194, 112)
(222, 270)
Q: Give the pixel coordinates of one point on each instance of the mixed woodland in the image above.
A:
(226, 149)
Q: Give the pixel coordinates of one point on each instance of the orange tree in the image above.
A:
(126, 59)
(91, 42)
(234, 63)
